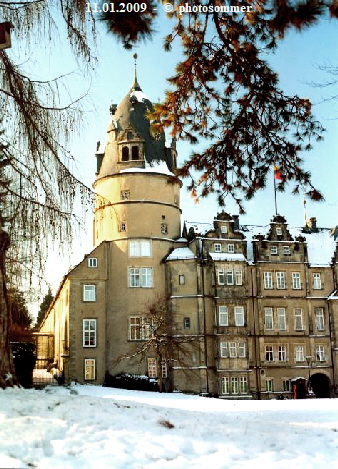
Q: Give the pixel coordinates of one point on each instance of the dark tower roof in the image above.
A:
(131, 114)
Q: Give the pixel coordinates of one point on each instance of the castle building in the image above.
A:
(223, 309)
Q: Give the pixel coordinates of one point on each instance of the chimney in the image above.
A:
(236, 222)
(311, 223)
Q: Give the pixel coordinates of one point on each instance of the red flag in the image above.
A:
(278, 174)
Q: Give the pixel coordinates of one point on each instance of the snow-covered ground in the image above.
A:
(95, 427)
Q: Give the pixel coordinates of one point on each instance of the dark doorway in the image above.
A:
(320, 384)
(299, 388)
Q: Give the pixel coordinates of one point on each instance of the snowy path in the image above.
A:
(95, 427)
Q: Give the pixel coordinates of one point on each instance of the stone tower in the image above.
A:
(138, 216)
(138, 195)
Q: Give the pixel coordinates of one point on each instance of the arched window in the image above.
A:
(125, 154)
(134, 153)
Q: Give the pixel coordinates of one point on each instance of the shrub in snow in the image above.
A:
(129, 381)
(24, 357)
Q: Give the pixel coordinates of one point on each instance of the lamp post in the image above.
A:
(309, 363)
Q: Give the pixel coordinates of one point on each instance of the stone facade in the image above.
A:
(229, 310)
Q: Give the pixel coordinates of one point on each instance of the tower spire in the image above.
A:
(135, 86)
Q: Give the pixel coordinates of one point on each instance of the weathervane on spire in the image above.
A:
(135, 85)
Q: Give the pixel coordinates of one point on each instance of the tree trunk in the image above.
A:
(7, 373)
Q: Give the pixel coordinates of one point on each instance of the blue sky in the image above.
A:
(296, 60)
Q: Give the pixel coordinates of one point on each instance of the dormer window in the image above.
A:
(224, 229)
(286, 250)
(135, 153)
(130, 135)
(279, 231)
(125, 154)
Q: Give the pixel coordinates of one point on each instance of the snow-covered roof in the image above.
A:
(321, 244)
(139, 95)
(181, 253)
(333, 296)
(225, 256)
(155, 167)
(200, 228)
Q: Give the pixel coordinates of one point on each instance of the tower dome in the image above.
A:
(130, 141)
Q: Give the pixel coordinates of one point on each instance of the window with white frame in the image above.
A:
(243, 385)
(286, 250)
(89, 292)
(320, 325)
(139, 328)
(135, 328)
(286, 385)
(89, 332)
(217, 247)
(279, 231)
(152, 368)
(282, 353)
(139, 248)
(186, 323)
(164, 369)
(239, 315)
(273, 250)
(220, 277)
(224, 349)
(298, 318)
(281, 319)
(225, 385)
(223, 316)
(269, 385)
(317, 282)
(299, 353)
(269, 353)
(224, 229)
(241, 349)
(239, 277)
(181, 279)
(140, 277)
(232, 350)
(89, 369)
(231, 248)
(320, 353)
(230, 277)
(92, 262)
(280, 280)
(234, 385)
(268, 318)
(296, 285)
(268, 283)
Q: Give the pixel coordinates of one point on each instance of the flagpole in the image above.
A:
(274, 188)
